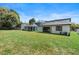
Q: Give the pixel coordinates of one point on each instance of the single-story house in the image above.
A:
(29, 27)
(60, 26)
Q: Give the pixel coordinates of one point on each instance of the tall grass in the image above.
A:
(24, 42)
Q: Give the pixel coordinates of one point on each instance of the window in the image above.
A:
(58, 28)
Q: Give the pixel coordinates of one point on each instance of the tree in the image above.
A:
(8, 18)
(32, 21)
(74, 26)
(14, 13)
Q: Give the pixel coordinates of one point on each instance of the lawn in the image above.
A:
(15, 42)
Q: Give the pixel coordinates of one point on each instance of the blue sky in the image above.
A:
(45, 11)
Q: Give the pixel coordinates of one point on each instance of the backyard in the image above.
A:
(34, 43)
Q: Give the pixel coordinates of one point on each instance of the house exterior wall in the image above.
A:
(29, 27)
(22, 26)
(64, 23)
(40, 29)
(65, 28)
(53, 29)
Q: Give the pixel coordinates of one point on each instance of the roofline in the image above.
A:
(56, 25)
(59, 20)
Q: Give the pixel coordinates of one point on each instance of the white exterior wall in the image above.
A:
(40, 29)
(66, 28)
(22, 26)
(53, 29)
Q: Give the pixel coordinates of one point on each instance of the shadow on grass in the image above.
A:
(37, 32)
(53, 33)
(46, 33)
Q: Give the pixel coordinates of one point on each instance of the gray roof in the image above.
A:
(66, 21)
(56, 23)
(59, 20)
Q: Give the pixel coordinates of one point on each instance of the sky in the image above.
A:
(45, 11)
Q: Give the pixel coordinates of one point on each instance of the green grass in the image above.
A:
(34, 43)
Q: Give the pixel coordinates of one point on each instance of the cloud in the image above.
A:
(25, 18)
(64, 15)
(74, 17)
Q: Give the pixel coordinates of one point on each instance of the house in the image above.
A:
(60, 26)
(77, 30)
(29, 27)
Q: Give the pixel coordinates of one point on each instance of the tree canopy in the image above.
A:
(8, 18)
(32, 21)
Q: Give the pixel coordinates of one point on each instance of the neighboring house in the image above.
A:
(60, 26)
(29, 27)
(77, 30)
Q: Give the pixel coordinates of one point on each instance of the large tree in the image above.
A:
(32, 21)
(8, 18)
